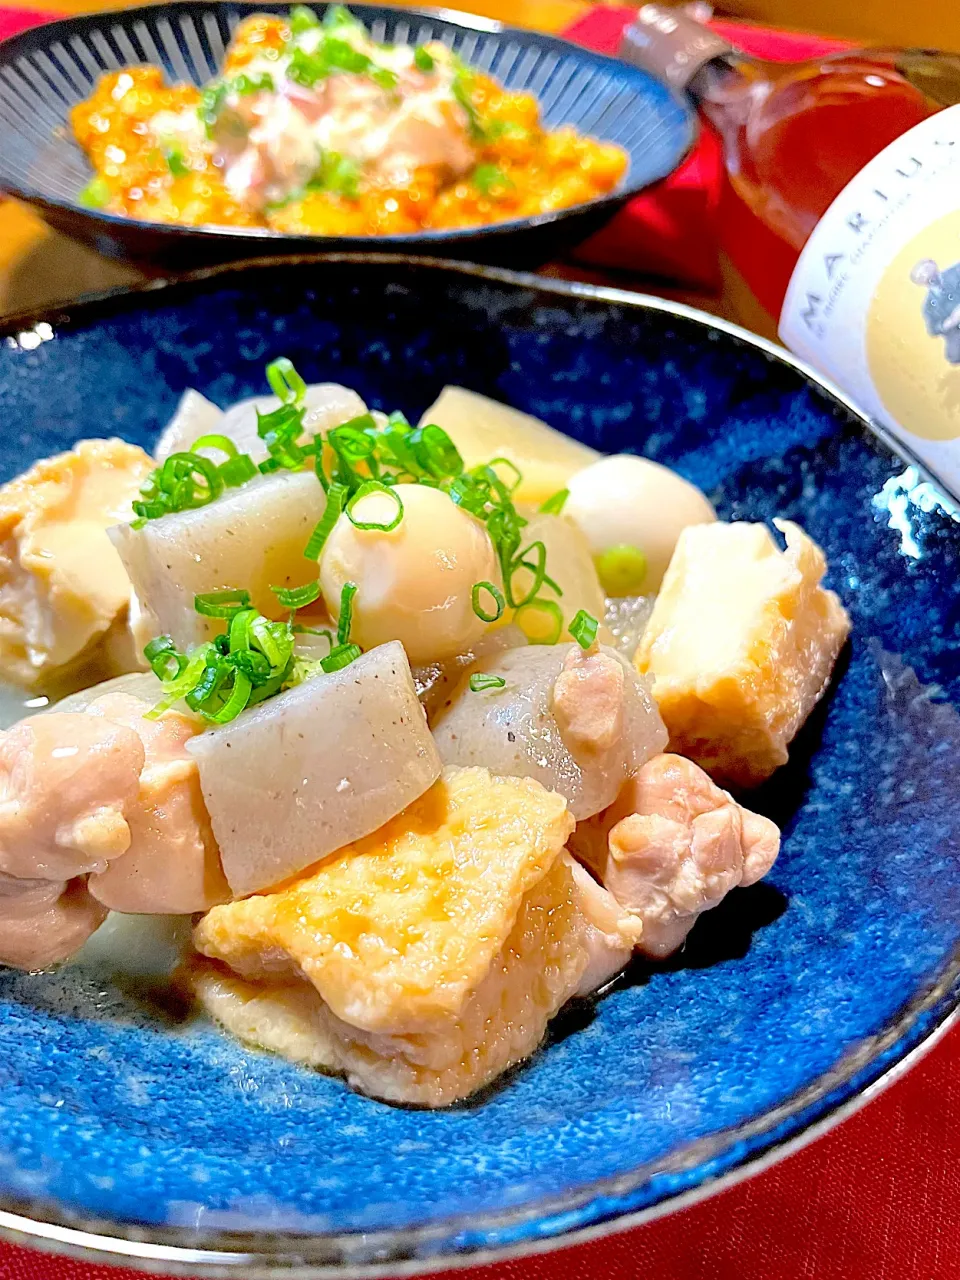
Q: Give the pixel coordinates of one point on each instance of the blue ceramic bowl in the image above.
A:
(159, 1139)
(45, 71)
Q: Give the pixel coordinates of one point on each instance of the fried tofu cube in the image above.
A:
(741, 644)
(62, 585)
(421, 961)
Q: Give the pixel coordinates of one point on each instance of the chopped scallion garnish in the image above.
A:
(297, 597)
(423, 59)
(480, 682)
(176, 162)
(340, 657)
(622, 570)
(499, 604)
(302, 19)
(336, 496)
(375, 486)
(584, 628)
(221, 604)
(285, 383)
(96, 194)
(490, 180)
(555, 503)
(541, 621)
(348, 591)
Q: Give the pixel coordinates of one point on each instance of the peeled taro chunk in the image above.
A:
(305, 773)
(580, 723)
(672, 846)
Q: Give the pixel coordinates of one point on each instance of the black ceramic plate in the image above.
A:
(45, 71)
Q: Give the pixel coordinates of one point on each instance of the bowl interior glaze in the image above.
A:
(793, 997)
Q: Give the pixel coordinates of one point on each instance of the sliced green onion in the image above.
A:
(374, 486)
(238, 634)
(176, 689)
(285, 383)
(340, 657)
(254, 664)
(540, 621)
(274, 640)
(337, 16)
(584, 628)
(490, 180)
(499, 603)
(214, 441)
(435, 451)
(299, 630)
(346, 612)
(302, 19)
(353, 442)
(622, 570)
(221, 604)
(237, 471)
(236, 702)
(480, 682)
(211, 104)
(339, 174)
(183, 482)
(214, 674)
(96, 194)
(336, 496)
(383, 76)
(423, 59)
(555, 503)
(297, 597)
(176, 162)
(160, 653)
(539, 571)
(242, 85)
(517, 473)
(462, 89)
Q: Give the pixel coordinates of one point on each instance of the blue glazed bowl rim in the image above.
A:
(264, 238)
(602, 1207)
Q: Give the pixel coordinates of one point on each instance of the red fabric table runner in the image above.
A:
(877, 1198)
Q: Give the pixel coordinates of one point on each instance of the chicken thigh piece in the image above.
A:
(610, 933)
(673, 845)
(101, 790)
(173, 864)
(44, 921)
(67, 784)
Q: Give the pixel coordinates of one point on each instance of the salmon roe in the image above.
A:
(523, 169)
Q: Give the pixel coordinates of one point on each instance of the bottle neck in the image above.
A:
(674, 47)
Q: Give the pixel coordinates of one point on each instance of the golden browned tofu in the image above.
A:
(435, 950)
(740, 645)
(62, 585)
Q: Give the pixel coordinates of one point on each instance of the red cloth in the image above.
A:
(878, 1198)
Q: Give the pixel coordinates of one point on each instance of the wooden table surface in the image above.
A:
(40, 266)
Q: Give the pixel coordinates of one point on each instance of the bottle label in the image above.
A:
(874, 300)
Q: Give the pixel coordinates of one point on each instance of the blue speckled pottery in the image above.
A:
(791, 1000)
